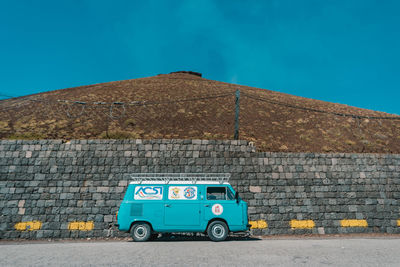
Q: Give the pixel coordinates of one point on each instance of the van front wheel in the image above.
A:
(141, 232)
(217, 231)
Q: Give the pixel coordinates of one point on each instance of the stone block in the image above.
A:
(103, 189)
(97, 196)
(108, 218)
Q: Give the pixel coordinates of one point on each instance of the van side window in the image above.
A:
(216, 193)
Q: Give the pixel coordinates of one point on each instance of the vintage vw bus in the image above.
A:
(170, 202)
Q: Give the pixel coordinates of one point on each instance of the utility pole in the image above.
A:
(237, 109)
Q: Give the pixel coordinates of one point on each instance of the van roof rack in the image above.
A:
(181, 177)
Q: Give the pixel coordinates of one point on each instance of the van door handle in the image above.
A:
(206, 205)
(166, 205)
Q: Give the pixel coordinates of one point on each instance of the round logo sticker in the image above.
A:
(217, 209)
(190, 192)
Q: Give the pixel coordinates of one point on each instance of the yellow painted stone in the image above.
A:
(302, 224)
(398, 223)
(254, 224)
(89, 226)
(81, 226)
(34, 225)
(353, 223)
(260, 224)
(28, 226)
(73, 226)
(21, 226)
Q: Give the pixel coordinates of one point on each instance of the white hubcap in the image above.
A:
(140, 231)
(218, 231)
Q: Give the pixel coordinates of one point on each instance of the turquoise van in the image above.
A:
(190, 202)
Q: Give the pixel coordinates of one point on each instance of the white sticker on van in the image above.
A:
(217, 209)
(146, 192)
(182, 192)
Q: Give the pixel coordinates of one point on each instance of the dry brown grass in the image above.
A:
(272, 127)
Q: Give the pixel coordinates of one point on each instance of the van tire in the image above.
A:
(140, 232)
(217, 231)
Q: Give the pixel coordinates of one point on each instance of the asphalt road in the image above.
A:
(256, 252)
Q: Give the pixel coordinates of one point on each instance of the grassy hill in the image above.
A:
(186, 106)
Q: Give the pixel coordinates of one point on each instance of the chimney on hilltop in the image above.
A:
(188, 72)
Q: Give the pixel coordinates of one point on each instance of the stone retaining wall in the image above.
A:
(52, 189)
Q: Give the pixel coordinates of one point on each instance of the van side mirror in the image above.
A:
(237, 197)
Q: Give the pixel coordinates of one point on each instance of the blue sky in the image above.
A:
(338, 51)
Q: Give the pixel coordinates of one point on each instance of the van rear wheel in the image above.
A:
(217, 231)
(141, 232)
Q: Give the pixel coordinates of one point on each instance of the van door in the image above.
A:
(182, 207)
(220, 202)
